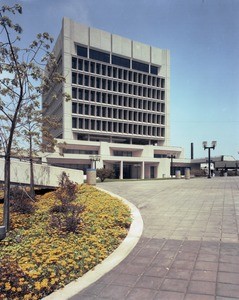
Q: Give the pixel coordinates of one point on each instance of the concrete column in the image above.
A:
(121, 169)
(91, 176)
(142, 170)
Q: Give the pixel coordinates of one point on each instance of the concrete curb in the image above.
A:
(110, 262)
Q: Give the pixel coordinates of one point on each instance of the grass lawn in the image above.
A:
(37, 258)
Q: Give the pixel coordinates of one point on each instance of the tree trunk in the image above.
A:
(32, 191)
(7, 183)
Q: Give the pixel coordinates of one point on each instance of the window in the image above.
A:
(86, 109)
(80, 79)
(74, 93)
(80, 64)
(80, 108)
(74, 63)
(86, 95)
(74, 108)
(81, 51)
(122, 153)
(86, 80)
(136, 65)
(74, 122)
(120, 61)
(154, 70)
(86, 66)
(92, 67)
(74, 77)
(99, 55)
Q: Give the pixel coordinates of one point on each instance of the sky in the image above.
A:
(203, 39)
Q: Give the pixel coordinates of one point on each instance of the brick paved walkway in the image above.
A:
(189, 248)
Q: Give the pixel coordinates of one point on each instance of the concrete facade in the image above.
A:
(120, 108)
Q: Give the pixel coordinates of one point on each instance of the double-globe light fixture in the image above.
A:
(213, 146)
(94, 159)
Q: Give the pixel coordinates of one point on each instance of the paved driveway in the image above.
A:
(189, 248)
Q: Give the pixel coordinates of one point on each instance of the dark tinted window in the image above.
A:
(82, 51)
(140, 66)
(120, 61)
(98, 55)
(74, 63)
(154, 70)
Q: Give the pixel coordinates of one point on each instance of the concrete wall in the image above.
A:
(45, 175)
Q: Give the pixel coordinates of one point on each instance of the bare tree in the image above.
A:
(22, 82)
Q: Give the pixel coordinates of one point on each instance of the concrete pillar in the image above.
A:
(142, 170)
(187, 173)
(91, 176)
(178, 174)
(121, 170)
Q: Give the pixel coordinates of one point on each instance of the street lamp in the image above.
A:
(171, 163)
(205, 146)
(94, 159)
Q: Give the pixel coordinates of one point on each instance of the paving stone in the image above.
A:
(208, 257)
(156, 271)
(179, 273)
(141, 294)
(174, 285)
(198, 297)
(168, 295)
(204, 275)
(209, 266)
(226, 277)
(226, 267)
(183, 264)
(202, 287)
(149, 282)
(126, 279)
(114, 292)
(134, 269)
(227, 290)
(186, 255)
(229, 259)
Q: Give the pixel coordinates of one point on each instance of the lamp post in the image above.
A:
(171, 156)
(94, 159)
(205, 146)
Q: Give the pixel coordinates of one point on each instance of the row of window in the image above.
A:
(116, 72)
(122, 153)
(101, 97)
(116, 127)
(79, 151)
(115, 59)
(118, 114)
(128, 102)
(117, 86)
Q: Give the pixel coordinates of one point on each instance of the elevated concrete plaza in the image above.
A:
(189, 248)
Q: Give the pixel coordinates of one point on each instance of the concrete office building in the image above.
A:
(120, 108)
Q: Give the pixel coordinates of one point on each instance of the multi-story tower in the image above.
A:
(119, 89)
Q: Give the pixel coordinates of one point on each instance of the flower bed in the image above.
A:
(36, 258)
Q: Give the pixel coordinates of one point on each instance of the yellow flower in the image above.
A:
(38, 285)
(7, 286)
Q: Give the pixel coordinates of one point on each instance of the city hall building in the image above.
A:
(119, 115)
